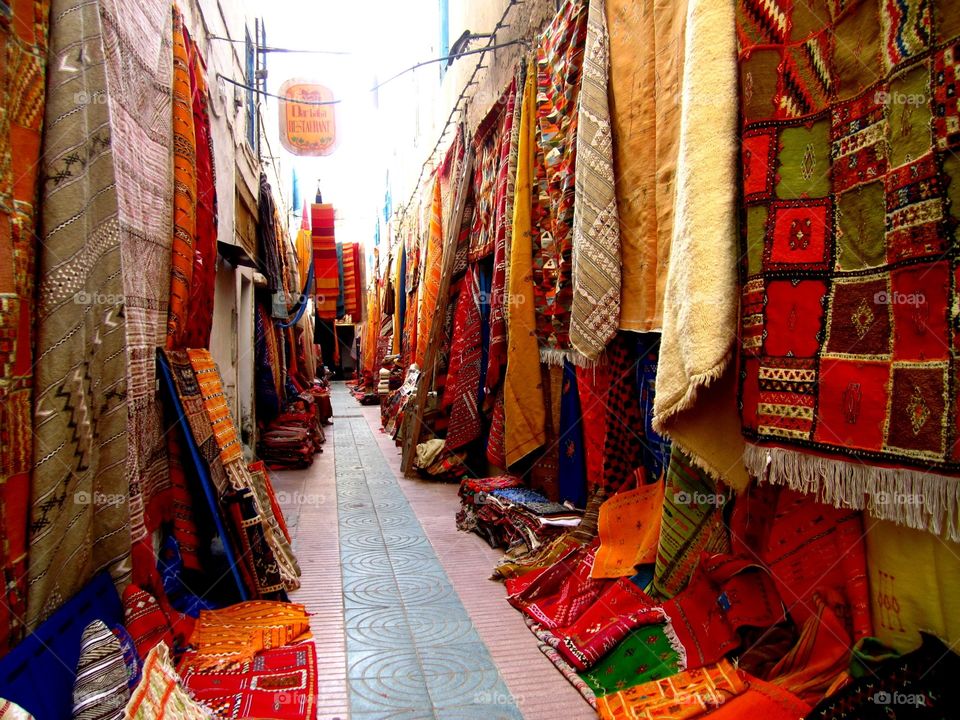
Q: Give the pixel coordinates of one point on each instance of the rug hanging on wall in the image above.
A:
(23, 41)
(851, 186)
(326, 272)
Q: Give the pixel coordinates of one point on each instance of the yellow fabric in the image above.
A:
(914, 585)
(629, 531)
(432, 267)
(524, 408)
(646, 56)
(397, 329)
(304, 247)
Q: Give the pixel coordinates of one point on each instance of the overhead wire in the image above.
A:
(491, 45)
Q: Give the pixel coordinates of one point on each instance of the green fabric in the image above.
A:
(756, 231)
(644, 655)
(861, 229)
(804, 162)
(867, 655)
(692, 522)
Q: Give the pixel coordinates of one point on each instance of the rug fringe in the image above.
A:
(674, 641)
(556, 357)
(917, 499)
(694, 385)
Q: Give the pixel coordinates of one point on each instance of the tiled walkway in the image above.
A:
(406, 622)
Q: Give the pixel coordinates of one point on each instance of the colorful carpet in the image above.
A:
(629, 531)
(23, 42)
(280, 683)
(235, 634)
(199, 322)
(325, 271)
(185, 189)
(850, 183)
(78, 300)
(559, 69)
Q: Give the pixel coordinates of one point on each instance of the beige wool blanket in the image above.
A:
(695, 401)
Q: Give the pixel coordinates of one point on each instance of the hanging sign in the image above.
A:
(307, 129)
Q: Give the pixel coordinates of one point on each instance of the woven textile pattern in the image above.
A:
(433, 263)
(184, 188)
(159, 696)
(139, 64)
(848, 322)
(199, 322)
(326, 274)
(80, 433)
(595, 308)
(234, 635)
(559, 68)
(100, 690)
(23, 42)
(502, 229)
(279, 683)
(465, 363)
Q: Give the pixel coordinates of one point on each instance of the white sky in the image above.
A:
(384, 37)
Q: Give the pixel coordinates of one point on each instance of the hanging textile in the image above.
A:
(265, 550)
(524, 410)
(594, 386)
(23, 42)
(400, 304)
(325, 269)
(572, 479)
(502, 227)
(351, 273)
(595, 307)
(304, 248)
(849, 310)
(184, 189)
(433, 264)
(914, 580)
(624, 448)
(696, 380)
(341, 295)
(199, 321)
(559, 70)
(105, 441)
(810, 548)
(467, 358)
(656, 450)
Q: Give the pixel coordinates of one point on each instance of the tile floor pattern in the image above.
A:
(395, 637)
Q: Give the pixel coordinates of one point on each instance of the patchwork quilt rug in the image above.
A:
(849, 298)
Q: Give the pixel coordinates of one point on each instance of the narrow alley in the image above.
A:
(479, 359)
(411, 621)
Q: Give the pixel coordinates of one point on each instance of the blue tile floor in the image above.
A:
(412, 651)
